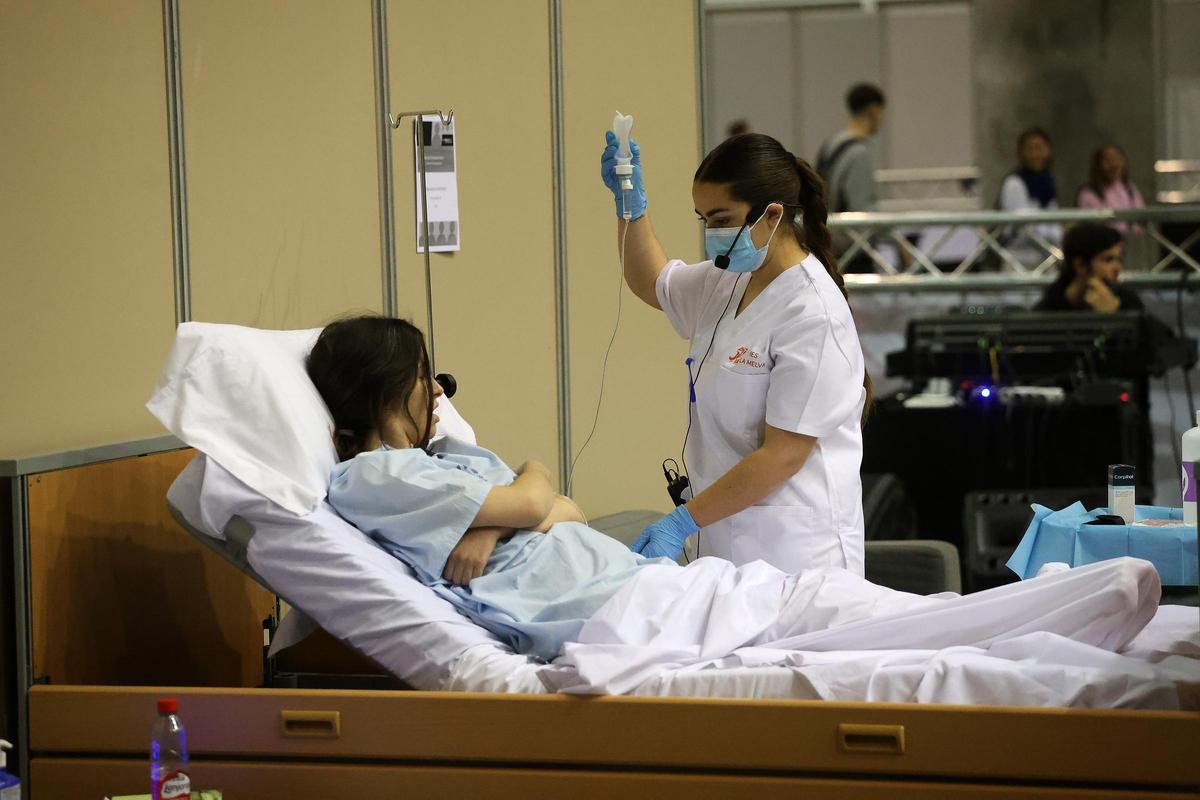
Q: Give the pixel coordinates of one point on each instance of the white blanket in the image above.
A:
(854, 640)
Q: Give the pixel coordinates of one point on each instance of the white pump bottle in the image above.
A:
(622, 127)
(1190, 454)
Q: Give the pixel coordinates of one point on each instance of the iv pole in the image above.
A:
(419, 139)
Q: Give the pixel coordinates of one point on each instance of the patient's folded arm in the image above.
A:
(564, 510)
(523, 504)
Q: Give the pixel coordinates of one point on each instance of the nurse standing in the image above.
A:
(775, 370)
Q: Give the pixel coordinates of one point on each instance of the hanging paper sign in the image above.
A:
(441, 185)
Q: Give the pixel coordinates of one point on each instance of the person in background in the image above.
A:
(847, 162)
(1031, 187)
(737, 128)
(1109, 186)
(1089, 275)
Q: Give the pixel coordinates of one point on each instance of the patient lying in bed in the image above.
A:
(517, 559)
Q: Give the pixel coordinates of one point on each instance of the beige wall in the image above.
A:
(494, 300)
(644, 412)
(86, 289)
(280, 145)
(283, 192)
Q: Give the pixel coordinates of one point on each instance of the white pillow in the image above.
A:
(242, 396)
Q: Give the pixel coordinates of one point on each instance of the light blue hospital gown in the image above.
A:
(537, 589)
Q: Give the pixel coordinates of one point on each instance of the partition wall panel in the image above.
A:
(86, 297)
(639, 58)
(280, 146)
(494, 314)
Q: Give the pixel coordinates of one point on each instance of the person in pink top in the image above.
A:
(1109, 186)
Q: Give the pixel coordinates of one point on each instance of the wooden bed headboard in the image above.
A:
(119, 595)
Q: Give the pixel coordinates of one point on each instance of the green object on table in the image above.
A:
(206, 794)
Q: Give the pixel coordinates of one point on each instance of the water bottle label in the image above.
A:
(173, 785)
(1189, 481)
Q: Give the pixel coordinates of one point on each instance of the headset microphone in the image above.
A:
(722, 261)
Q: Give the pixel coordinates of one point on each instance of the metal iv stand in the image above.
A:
(419, 140)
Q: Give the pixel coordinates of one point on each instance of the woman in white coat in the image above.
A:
(775, 371)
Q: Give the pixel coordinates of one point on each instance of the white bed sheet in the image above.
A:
(1160, 669)
(362, 595)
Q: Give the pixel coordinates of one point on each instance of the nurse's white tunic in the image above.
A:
(791, 360)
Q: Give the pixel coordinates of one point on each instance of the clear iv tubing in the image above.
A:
(625, 217)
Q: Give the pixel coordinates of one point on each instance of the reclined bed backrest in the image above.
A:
(242, 398)
(330, 571)
(232, 547)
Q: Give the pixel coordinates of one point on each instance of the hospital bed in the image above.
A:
(479, 717)
(475, 723)
(925, 567)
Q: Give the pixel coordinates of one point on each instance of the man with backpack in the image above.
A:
(847, 163)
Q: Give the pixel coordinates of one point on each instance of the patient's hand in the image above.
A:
(469, 557)
(564, 510)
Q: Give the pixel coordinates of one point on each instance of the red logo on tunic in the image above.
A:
(745, 355)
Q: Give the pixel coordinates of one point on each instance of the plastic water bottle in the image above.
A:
(169, 776)
(1191, 471)
(10, 785)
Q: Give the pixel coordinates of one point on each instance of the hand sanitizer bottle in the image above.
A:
(1191, 471)
(10, 785)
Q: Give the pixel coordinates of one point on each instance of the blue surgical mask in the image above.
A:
(737, 246)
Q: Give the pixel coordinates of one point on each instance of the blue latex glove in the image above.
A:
(608, 172)
(665, 537)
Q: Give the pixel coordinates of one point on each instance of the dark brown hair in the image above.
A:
(1096, 172)
(758, 170)
(364, 367)
(862, 96)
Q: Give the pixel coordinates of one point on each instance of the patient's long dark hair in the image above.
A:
(364, 367)
(758, 170)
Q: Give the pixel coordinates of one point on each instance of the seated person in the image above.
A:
(1109, 185)
(1088, 275)
(516, 558)
(1031, 187)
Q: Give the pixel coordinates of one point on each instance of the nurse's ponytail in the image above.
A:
(758, 170)
(814, 234)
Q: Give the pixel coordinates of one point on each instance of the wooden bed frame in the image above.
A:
(266, 743)
(87, 732)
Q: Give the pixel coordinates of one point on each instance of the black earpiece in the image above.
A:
(447, 382)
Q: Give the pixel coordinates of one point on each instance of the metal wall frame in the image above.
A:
(701, 88)
(561, 295)
(178, 163)
(777, 5)
(23, 622)
(383, 134)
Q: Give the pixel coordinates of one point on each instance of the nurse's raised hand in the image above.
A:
(665, 537)
(608, 173)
